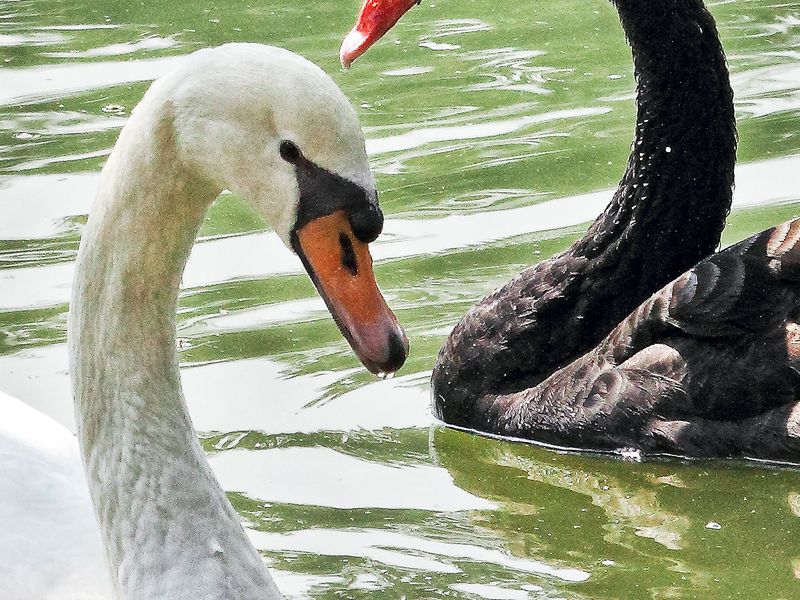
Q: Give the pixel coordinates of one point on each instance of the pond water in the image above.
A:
(496, 129)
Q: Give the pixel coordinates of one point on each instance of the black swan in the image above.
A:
(601, 347)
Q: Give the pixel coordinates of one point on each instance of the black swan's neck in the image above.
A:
(671, 204)
(667, 214)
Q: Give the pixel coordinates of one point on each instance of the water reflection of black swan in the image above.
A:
(587, 348)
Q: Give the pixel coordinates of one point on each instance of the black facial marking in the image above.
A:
(289, 151)
(323, 193)
(367, 223)
(349, 260)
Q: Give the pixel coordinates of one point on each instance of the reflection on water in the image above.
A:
(694, 518)
(496, 130)
(769, 90)
(148, 43)
(337, 480)
(399, 550)
(49, 82)
(229, 258)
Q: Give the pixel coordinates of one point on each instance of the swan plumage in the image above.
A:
(50, 547)
(638, 336)
(274, 128)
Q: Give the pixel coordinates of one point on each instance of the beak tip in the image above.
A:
(393, 356)
(398, 351)
(352, 47)
(345, 60)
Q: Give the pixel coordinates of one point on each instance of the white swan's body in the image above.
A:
(221, 121)
(50, 544)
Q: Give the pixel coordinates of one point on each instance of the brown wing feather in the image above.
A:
(708, 365)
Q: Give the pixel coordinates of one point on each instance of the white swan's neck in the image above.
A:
(168, 529)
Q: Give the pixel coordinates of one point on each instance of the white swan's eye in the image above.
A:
(289, 151)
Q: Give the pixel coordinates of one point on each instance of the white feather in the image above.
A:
(50, 544)
(166, 528)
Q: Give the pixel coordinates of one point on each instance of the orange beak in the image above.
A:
(376, 18)
(341, 268)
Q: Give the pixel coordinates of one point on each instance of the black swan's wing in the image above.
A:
(708, 365)
(745, 290)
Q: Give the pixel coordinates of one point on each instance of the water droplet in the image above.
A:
(668, 149)
(713, 525)
(632, 454)
(24, 135)
(113, 109)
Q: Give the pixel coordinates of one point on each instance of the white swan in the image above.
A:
(50, 544)
(274, 128)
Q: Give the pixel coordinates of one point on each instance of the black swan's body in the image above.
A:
(708, 365)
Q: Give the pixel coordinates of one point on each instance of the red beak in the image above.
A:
(376, 18)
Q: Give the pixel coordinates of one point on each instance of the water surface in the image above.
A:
(497, 130)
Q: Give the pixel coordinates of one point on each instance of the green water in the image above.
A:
(495, 129)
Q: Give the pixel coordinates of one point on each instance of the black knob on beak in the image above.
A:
(367, 222)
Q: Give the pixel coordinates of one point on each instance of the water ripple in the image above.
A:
(337, 480)
(471, 131)
(403, 550)
(521, 76)
(241, 257)
(47, 82)
(146, 44)
(31, 39)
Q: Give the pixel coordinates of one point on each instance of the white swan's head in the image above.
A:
(274, 128)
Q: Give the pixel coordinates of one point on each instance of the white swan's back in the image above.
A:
(50, 544)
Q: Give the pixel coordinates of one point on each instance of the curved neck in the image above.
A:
(666, 215)
(168, 529)
(670, 207)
